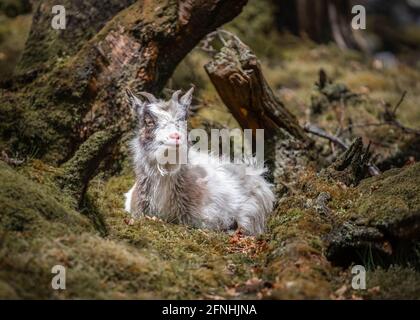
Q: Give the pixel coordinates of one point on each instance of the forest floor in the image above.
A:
(109, 257)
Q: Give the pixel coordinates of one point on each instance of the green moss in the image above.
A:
(393, 283)
(197, 261)
(392, 200)
(13, 33)
(295, 260)
(27, 207)
(150, 259)
(80, 169)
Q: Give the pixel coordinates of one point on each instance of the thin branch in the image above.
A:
(399, 102)
(206, 43)
(11, 161)
(390, 119)
(310, 128)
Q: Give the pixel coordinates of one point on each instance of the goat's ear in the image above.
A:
(135, 103)
(132, 99)
(149, 97)
(187, 97)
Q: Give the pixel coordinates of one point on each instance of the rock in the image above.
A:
(386, 219)
(385, 60)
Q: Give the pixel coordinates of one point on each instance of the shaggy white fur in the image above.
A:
(206, 192)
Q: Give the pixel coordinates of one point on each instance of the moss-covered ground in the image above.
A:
(149, 259)
(108, 256)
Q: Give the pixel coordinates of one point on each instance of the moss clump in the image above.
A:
(296, 264)
(391, 202)
(381, 225)
(28, 207)
(79, 170)
(393, 283)
(150, 259)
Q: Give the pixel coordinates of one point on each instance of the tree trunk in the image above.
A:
(69, 83)
(320, 21)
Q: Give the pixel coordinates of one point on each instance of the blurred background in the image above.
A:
(294, 40)
(392, 34)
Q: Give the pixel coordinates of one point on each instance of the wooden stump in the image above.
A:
(237, 76)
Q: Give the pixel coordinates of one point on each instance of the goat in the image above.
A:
(205, 192)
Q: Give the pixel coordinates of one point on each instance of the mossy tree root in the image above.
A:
(79, 170)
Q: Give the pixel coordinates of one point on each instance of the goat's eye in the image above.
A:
(148, 121)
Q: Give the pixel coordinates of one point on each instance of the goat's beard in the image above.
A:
(168, 169)
(170, 160)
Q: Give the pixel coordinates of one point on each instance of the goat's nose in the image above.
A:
(175, 135)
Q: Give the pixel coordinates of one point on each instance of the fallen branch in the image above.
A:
(237, 76)
(310, 128)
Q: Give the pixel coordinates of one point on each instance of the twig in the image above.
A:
(287, 186)
(11, 161)
(206, 42)
(400, 126)
(394, 123)
(399, 102)
(390, 119)
(224, 42)
(310, 128)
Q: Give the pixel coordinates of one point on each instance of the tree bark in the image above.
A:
(236, 74)
(70, 82)
(352, 166)
(77, 172)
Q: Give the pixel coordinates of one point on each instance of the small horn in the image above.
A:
(150, 97)
(187, 97)
(175, 96)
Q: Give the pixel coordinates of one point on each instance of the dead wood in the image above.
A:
(351, 166)
(237, 76)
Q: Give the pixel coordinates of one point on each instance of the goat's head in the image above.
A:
(162, 125)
